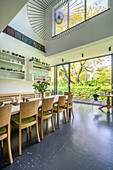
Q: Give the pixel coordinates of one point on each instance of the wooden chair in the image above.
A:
(69, 105)
(47, 93)
(46, 112)
(27, 118)
(60, 108)
(5, 115)
(67, 93)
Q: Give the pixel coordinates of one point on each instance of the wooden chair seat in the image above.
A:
(69, 106)
(44, 113)
(24, 121)
(55, 108)
(2, 130)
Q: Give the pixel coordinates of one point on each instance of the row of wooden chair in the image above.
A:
(28, 117)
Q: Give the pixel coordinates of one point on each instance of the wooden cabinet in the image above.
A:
(12, 67)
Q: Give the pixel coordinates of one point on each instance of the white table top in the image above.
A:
(16, 109)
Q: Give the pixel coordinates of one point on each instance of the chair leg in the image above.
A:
(52, 123)
(58, 120)
(47, 121)
(64, 116)
(27, 130)
(72, 112)
(42, 129)
(2, 143)
(30, 129)
(54, 117)
(20, 135)
(37, 132)
(67, 114)
(9, 145)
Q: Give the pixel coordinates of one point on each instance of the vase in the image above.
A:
(42, 95)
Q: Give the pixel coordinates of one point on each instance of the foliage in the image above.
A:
(77, 13)
(94, 77)
(40, 86)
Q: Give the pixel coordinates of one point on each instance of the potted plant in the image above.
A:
(41, 86)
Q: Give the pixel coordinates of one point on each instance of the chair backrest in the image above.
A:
(8, 97)
(28, 109)
(47, 104)
(67, 93)
(61, 100)
(70, 99)
(47, 93)
(5, 115)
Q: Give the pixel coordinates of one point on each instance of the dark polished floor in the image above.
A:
(85, 143)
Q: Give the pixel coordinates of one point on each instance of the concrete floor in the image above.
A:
(85, 143)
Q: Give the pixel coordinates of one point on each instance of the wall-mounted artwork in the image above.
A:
(18, 35)
(24, 38)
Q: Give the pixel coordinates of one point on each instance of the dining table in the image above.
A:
(108, 105)
(16, 108)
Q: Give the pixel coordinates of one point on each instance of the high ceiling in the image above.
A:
(37, 16)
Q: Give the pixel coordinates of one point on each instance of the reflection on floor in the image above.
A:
(85, 143)
(89, 101)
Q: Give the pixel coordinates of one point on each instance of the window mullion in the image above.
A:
(68, 16)
(85, 10)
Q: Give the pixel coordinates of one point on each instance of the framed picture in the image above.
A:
(24, 38)
(17, 35)
(29, 41)
(10, 31)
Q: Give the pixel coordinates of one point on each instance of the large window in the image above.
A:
(90, 76)
(63, 26)
(62, 78)
(84, 78)
(72, 12)
(51, 74)
(76, 12)
(95, 7)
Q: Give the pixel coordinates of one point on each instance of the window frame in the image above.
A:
(63, 2)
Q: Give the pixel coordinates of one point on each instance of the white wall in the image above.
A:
(8, 10)
(8, 43)
(95, 29)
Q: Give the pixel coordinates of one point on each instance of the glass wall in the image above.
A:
(90, 76)
(86, 77)
(62, 78)
(51, 75)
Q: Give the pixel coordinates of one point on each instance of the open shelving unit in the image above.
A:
(38, 71)
(12, 67)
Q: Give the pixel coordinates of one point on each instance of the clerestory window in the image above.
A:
(69, 13)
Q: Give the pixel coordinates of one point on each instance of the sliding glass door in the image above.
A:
(90, 76)
(62, 78)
